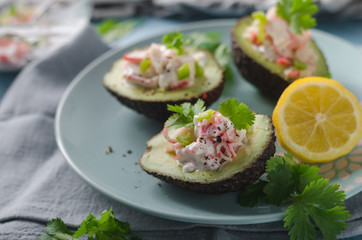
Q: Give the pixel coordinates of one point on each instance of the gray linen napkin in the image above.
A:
(36, 183)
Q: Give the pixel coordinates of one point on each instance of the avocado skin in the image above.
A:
(235, 183)
(158, 109)
(269, 84)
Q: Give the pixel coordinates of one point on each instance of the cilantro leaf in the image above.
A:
(306, 174)
(320, 201)
(298, 221)
(273, 162)
(238, 113)
(174, 40)
(184, 114)
(252, 194)
(312, 198)
(281, 175)
(298, 13)
(322, 193)
(330, 221)
(104, 227)
(56, 230)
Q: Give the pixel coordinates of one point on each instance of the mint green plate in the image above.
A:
(89, 120)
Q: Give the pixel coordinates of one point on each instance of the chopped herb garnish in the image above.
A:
(145, 64)
(12, 10)
(311, 197)
(199, 70)
(260, 15)
(183, 72)
(299, 65)
(185, 139)
(205, 115)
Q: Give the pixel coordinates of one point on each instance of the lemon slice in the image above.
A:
(317, 119)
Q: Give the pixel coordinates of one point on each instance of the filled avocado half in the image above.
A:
(246, 166)
(151, 99)
(271, 55)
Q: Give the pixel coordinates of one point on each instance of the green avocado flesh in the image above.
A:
(116, 83)
(260, 146)
(247, 47)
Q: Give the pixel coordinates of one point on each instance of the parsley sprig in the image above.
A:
(103, 227)
(238, 113)
(298, 13)
(184, 114)
(311, 197)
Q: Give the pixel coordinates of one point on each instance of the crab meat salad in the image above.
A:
(210, 151)
(149, 78)
(160, 67)
(271, 36)
(215, 142)
(280, 41)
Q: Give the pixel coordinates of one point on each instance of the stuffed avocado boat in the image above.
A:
(273, 49)
(150, 78)
(211, 151)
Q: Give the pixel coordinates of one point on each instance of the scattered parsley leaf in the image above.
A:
(238, 113)
(56, 230)
(104, 227)
(184, 114)
(174, 40)
(298, 13)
